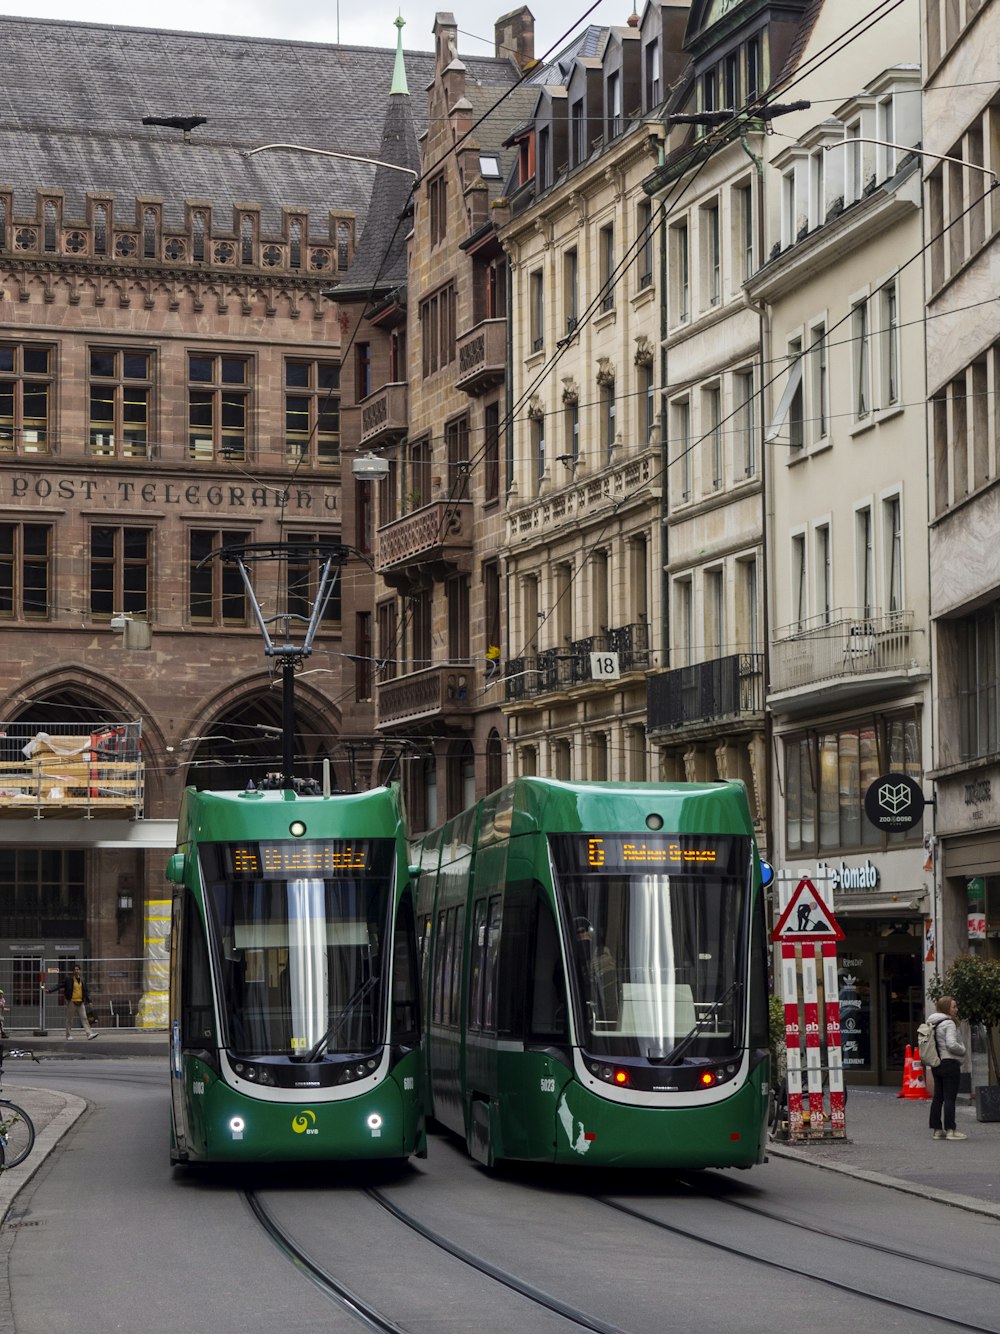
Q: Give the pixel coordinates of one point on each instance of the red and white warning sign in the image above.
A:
(806, 917)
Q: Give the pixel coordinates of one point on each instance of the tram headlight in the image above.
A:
(375, 1121)
(297, 828)
(237, 1125)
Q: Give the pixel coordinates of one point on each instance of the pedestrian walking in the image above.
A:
(76, 998)
(946, 1075)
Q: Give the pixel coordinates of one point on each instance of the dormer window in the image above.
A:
(653, 75)
(579, 131)
(614, 105)
(542, 165)
(489, 166)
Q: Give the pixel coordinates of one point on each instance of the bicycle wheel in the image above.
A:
(17, 1133)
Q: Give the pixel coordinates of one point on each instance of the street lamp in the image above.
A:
(370, 468)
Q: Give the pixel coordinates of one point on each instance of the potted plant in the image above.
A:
(974, 982)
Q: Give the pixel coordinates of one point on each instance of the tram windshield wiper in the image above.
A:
(352, 1004)
(681, 1047)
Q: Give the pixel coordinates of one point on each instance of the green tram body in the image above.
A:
(293, 920)
(529, 1037)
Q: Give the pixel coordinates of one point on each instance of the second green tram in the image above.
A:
(594, 962)
(294, 991)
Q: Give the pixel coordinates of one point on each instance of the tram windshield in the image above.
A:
(659, 929)
(300, 934)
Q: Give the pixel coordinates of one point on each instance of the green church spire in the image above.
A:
(399, 70)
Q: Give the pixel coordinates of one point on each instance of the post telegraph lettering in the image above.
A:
(118, 491)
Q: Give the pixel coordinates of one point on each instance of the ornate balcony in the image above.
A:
(436, 692)
(705, 694)
(430, 544)
(482, 357)
(843, 646)
(553, 669)
(384, 415)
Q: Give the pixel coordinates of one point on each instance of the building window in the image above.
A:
(746, 424)
(820, 382)
(712, 251)
(652, 75)
(579, 131)
(800, 588)
(887, 133)
(437, 196)
(119, 572)
(607, 261)
(715, 613)
(388, 646)
(684, 622)
(542, 159)
(44, 899)
(614, 105)
(571, 278)
(459, 615)
(828, 773)
(732, 81)
(456, 439)
(491, 452)
(364, 676)
(753, 68)
(743, 222)
(817, 188)
(218, 407)
(645, 242)
(26, 385)
(978, 642)
(120, 390)
(892, 521)
(824, 573)
(750, 609)
(680, 272)
(890, 346)
(421, 611)
(303, 579)
(312, 412)
(538, 445)
(854, 164)
(216, 592)
(796, 416)
(492, 609)
(572, 422)
(437, 329)
(362, 371)
(681, 441)
(862, 360)
(865, 561)
(712, 404)
(608, 416)
(648, 399)
(25, 558)
(536, 308)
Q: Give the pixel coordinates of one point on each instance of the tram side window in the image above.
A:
(440, 951)
(197, 1011)
(546, 980)
(454, 1007)
(515, 954)
(490, 967)
(405, 1006)
(758, 976)
(477, 954)
(448, 967)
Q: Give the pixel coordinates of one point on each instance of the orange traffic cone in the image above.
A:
(914, 1085)
(907, 1061)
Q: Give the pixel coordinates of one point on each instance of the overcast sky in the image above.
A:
(368, 23)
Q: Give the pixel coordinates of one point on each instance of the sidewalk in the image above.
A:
(889, 1143)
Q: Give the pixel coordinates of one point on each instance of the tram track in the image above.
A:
(371, 1316)
(786, 1267)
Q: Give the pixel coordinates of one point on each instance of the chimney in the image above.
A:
(515, 37)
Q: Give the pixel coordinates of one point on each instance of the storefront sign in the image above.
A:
(894, 803)
(844, 877)
(116, 493)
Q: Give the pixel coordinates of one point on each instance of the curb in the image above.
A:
(14, 1179)
(966, 1202)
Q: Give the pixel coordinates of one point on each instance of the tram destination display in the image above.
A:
(618, 854)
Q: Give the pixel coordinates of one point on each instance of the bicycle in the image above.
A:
(17, 1130)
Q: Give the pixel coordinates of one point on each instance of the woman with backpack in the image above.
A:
(947, 1072)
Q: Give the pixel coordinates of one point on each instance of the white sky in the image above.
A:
(369, 23)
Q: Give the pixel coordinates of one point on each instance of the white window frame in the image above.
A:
(894, 552)
(862, 406)
(823, 567)
(798, 565)
(864, 557)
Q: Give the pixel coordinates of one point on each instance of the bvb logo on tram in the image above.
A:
(304, 1122)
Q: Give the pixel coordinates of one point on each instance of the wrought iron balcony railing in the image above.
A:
(707, 692)
(558, 669)
(842, 644)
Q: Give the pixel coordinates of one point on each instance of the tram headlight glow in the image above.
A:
(375, 1121)
(622, 1078)
(707, 1079)
(297, 828)
(237, 1125)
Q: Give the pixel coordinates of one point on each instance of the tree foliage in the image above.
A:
(974, 982)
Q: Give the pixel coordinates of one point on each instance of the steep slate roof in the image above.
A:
(73, 96)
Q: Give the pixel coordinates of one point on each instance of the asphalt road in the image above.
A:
(107, 1237)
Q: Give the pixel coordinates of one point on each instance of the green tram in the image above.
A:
(594, 966)
(294, 986)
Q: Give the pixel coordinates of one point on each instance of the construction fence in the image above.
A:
(124, 993)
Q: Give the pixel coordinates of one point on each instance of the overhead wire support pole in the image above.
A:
(328, 557)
